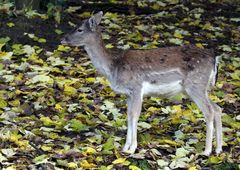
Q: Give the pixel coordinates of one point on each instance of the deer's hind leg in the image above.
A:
(218, 126)
(198, 93)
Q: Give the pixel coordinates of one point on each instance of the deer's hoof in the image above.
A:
(129, 149)
(218, 151)
(126, 147)
(207, 152)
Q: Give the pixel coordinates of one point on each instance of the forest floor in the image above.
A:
(57, 112)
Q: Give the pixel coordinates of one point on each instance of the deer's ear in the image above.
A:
(95, 20)
(98, 17)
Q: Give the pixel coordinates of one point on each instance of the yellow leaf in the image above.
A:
(152, 109)
(109, 46)
(199, 45)
(177, 34)
(175, 120)
(22, 143)
(53, 135)
(87, 165)
(14, 103)
(85, 14)
(46, 148)
(34, 58)
(177, 108)
(122, 161)
(69, 90)
(192, 168)
(215, 99)
(91, 79)
(188, 114)
(214, 159)
(20, 92)
(10, 24)
(99, 159)
(58, 107)
(15, 137)
(156, 36)
(207, 26)
(71, 165)
(89, 151)
(46, 121)
(132, 167)
(103, 81)
(3, 103)
(63, 48)
(170, 142)
(19, 77)
(6, 55)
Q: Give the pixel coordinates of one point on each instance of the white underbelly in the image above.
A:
(168, 89)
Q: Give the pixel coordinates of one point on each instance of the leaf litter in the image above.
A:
(56, 111)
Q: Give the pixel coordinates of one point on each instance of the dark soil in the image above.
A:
(37, 26)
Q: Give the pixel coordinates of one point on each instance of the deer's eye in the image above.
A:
(79, 30)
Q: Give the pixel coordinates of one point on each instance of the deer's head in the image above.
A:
(84, 34)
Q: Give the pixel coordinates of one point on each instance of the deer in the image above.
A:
(162, 72)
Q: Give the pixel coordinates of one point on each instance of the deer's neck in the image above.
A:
(99, 56)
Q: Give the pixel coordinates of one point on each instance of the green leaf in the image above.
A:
(235, 19)
(144, 125)
(109, 145)
(176, 41)
(226, 119)
(58, 31)
(178, 34)
(47, 121)
(181, 152)
(56, 61)
(40, 159)
(4, 40)
(78, 126)
(42, 40)
(226, 48)
(8, 152)
(8, 78)
(162, 163)
(2, 158)
(236, 75)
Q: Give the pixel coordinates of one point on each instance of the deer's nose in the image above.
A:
(64, 40)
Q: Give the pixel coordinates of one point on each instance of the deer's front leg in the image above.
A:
(133, 113)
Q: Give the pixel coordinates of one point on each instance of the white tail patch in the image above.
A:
(213, 75)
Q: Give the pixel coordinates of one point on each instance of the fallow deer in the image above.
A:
(162, 71)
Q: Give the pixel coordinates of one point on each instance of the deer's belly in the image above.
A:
(168, 89)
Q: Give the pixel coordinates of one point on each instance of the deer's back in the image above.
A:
(162, 66)
(186, 58)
